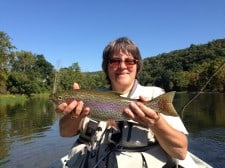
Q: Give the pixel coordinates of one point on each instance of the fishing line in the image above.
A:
(201, 90)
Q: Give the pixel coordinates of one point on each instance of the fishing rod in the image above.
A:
(201, 90)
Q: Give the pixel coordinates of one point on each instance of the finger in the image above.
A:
(80, 111)
(79, 108)
(85, 111)
(151, 116)
(143, 99)
(61, 107)
(129, 113)
(76, 86)
(134, 117)
(146, 110)
(134, 107)
(70, 107)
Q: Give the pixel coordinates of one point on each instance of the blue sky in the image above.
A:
(68, 31)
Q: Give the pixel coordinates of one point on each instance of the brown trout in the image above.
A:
(109, 105)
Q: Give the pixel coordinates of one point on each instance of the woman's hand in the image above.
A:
(137, 111)
(75, 108)
(74, 112)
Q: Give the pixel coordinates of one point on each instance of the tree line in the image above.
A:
(23, 72)
(188, 69)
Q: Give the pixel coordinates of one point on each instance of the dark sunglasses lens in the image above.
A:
(114, 61)
(130, 61)
(117, 62)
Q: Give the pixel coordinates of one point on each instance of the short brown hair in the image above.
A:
(124, 44)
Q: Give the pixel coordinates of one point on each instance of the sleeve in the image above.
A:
(147, 91)
(176, 123)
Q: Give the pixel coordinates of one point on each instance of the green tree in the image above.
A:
(181, 81)
(33, 70)
(5, 57)
(67, 76)
(44, 72)
(94, 80)
(19, 83)
(23, 62)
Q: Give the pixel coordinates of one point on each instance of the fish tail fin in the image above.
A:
(164, 104)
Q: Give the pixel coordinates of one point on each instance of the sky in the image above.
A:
(70, 31)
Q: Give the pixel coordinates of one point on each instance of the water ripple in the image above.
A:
(209, 145)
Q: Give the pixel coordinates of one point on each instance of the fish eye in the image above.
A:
(60, 98)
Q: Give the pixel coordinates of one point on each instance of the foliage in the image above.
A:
(22, 72)
(12, 99)
(94, 80)
(5, 57)
(86, 80)
(188, 69)
(19, 83)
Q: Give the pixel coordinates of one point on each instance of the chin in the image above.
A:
(123, 81)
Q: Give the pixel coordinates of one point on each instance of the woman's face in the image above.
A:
(122, 70)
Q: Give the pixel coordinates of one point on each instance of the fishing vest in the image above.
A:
(102, 146)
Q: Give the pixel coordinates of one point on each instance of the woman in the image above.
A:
(148, 139)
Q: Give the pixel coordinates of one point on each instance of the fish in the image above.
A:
(109, 105)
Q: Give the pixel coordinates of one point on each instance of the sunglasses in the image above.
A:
(116, 62)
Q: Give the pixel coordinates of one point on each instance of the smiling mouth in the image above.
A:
(121, 74)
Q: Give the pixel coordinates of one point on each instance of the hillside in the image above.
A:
(187, 69)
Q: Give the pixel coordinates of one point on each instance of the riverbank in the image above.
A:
(12, 99)
(19, 99)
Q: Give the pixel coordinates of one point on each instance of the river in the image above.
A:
(29, 134)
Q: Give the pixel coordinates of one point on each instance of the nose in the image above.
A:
(122, 64)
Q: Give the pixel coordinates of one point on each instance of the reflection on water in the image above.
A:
(205, 121)
(206, 111)
(29, 134)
